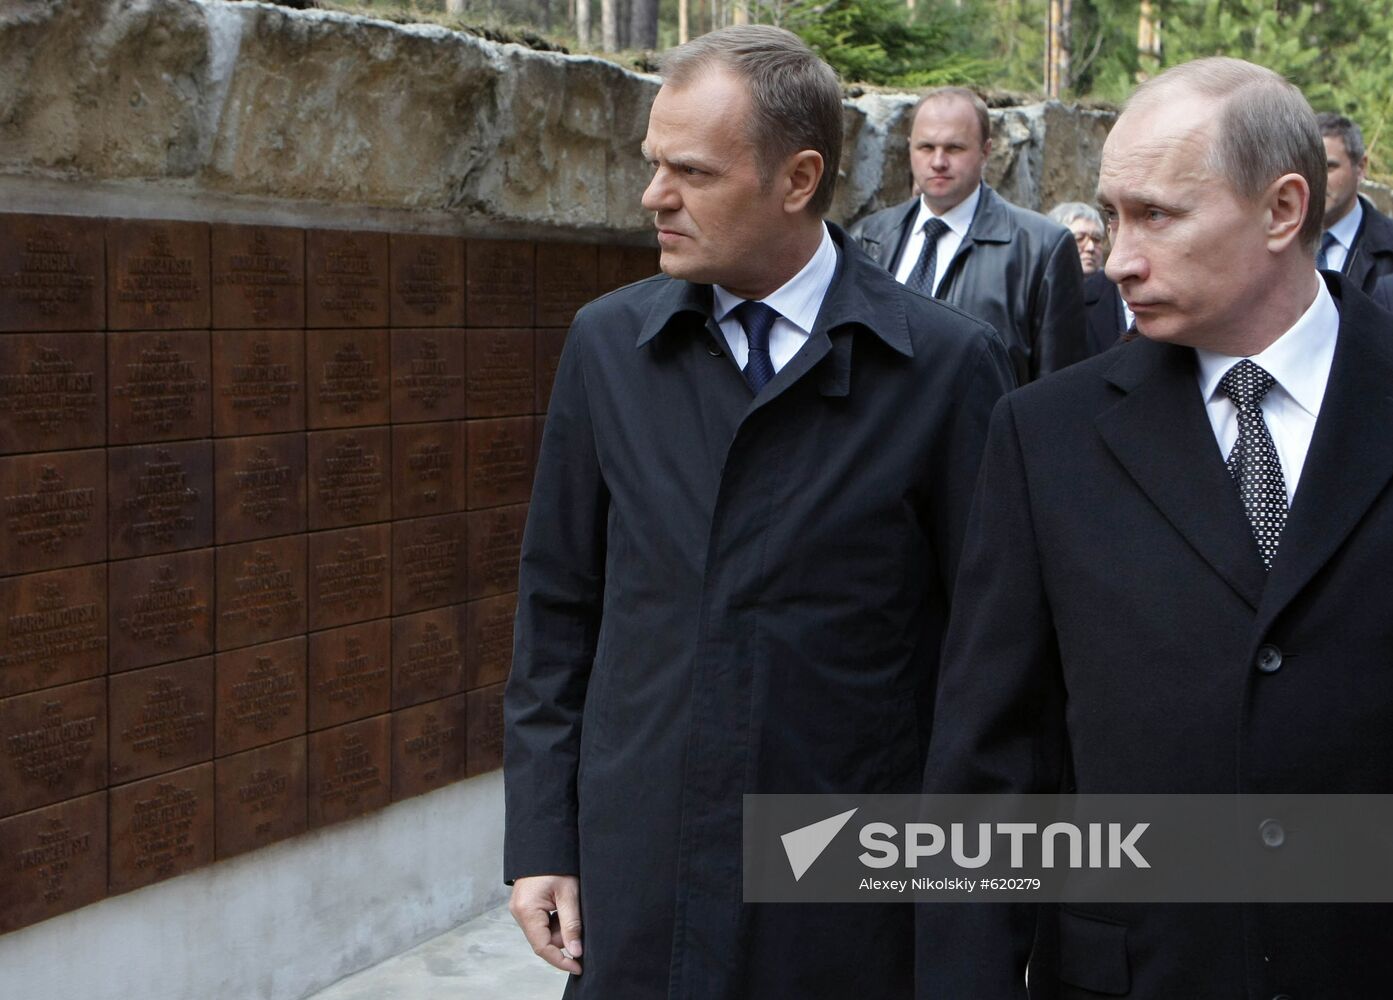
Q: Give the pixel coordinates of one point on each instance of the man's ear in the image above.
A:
(1288, 199)
(802, 173)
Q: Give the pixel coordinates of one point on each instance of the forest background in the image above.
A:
(1339, 52)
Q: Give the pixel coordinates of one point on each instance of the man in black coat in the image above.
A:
(744, 529)
(1358, 239)
(1006, 265)
(1104, 311)
(1128, 619)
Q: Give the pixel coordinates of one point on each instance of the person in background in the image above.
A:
(1089, 235)
(1357, 239)
(1106, 316)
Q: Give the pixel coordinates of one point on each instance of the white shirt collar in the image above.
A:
(1299, 360)
(799, 299)
(958, 218)
(1348, 228)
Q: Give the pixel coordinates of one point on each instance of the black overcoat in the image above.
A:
(723, 594)
(1121, 619)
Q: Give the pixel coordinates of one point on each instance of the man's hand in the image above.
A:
(547, 908)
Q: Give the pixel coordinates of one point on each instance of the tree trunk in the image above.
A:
(1148, 40)
(583, 23)
(454, 6)
(643, 24)
(682, 27)
(609, 25)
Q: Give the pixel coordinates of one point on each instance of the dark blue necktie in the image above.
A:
(921, 279)
(758, 320)
(1326, 242)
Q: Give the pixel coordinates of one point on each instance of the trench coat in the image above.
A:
(724, 593)
(1015, 269)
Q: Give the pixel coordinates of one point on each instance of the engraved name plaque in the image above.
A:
(52, 391)
(350, 673)
(52, 273)
(498, 466)
(347, 278)
(348, 373)
(548, 352)
(52, 745)
(428, 562)
(566, 280)
(258, 381)
(427, 375)
(490, 640)
(428, 655)
(161, 827)
(350, 478)
(349, 575)
(495, 546)
(261, 797)
(160, 498)
(428, 469)
(261, 695)
(484, 713)
(261, 591)
(161, 718)
(52, 510)
(500, 381)
(158, 386)
(258, 276)
(161, 608)
(261, 486)
(157, 275)
(350, 770)
(620, 266)
(52, 628)
(428, 746)
(52, 860)
(499, 283)
(427, 281)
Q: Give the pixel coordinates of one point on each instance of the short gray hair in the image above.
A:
(1349, 133)
(1265, 129)
(1067, 211)
(795, 96)
(984, 119)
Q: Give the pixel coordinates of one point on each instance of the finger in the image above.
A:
(568, 917)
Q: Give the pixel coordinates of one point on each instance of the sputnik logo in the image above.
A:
(806, 844)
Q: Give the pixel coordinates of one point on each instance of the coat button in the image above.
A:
(1272, 833)
(1281, 996)
(1269, 659)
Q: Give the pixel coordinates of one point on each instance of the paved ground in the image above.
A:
(485, 959)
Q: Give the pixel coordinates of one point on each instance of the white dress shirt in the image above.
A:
(957, 219)
(1345, 232)
(1299, 360)
(797, 302)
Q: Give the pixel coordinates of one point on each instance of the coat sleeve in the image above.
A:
(560, 591)
(998, 723)
(1060, 333)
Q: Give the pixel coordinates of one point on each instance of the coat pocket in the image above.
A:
(1093, 954)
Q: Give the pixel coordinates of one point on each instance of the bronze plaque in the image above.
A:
(258, 381)
(160, 497)
(158, 386)
(157, 275)
(52, 745)
(427, 280)
(428, 655)
(161, 827)
(52, 273)
(427, 375)
(52, 860)
(161, 718)
(498, 466)
(347, 278)
(616, 267)
(347, 372)
(258, 275)
(549, 344)
(566, 280)
(350, 477)
(261, 797)
(428, 562)
(54, 510)
(52, 391)
(350, 575)
(261, 486)
(484, 714)
(261, 695)
(52, 628)
(350, 770)
(499, 379)
(490, 640)
(427, 469)
(350, 673)
(261, 591)
(428, 746)
(161, 608)
(500, 282)
(495, 547)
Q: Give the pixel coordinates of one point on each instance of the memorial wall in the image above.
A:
(263, 491)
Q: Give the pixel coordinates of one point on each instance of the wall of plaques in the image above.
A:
(261, 497)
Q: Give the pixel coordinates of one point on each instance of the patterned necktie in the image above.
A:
(1253, 463)
(758, 320)
(921, 279)
(1327, 241)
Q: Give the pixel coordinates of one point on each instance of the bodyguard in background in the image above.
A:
(961, 242)
(1358, 239)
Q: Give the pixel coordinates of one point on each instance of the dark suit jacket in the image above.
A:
(1103, 312)
(1372, 257)
(1016, 270)
(723, 593)
(1111, 609)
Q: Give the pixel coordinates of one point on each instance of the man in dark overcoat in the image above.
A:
(744, 529)
(1179, 562)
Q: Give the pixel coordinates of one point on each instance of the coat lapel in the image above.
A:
(1161, 435)
(1351, 457)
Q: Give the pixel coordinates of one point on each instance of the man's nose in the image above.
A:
(1127, 259)
(660, 194)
